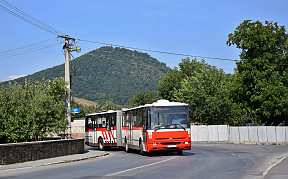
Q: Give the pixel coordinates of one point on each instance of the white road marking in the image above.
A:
(238, 156)
(141, 166)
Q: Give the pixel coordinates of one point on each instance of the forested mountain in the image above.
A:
(109, 73)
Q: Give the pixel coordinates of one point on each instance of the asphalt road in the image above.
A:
(203, 161)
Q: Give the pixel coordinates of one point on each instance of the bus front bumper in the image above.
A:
(166, 146)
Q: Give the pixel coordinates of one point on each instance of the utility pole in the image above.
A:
(68, 49)
(68, 86)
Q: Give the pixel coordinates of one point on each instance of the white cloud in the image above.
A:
(13, 77)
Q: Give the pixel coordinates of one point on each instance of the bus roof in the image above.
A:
(160, 103)
(104, 112)
(164, 102)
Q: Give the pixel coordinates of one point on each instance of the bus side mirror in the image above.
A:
(190, 113)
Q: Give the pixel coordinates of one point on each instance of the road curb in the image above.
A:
(262, 143)
(54, 163)
(74, 160)
(279, 160)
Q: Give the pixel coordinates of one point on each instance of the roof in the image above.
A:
(105, 112)
(164, 102)
(159, 103)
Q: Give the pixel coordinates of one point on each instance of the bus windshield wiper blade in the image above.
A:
(181, 126)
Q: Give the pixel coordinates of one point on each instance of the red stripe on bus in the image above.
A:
(137, 128)
(125, 128)
(108, 136)
(112, 135)
(104, 135)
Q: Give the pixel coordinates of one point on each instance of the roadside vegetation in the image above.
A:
(30, 111)
(257, 93)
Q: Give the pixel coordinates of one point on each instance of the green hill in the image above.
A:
(109, 73)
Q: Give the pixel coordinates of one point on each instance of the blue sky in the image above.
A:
(198, 28)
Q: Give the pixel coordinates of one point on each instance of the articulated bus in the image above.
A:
(161, 126)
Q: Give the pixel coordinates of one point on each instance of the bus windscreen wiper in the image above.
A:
(180, 126)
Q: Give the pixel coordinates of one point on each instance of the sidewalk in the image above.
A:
(89, 153)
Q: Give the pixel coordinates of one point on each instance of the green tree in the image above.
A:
(205, 88)
(140, 98)
(261, 75)
(172, 81)
(32, 110)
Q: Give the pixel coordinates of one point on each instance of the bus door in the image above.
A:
(88, 130)
(94, 131)
(111, 129)
(130, 131)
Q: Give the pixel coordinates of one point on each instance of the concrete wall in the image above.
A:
(271, 134)
(78, 129)
(218, 133)
(29, 151)
(209, 133)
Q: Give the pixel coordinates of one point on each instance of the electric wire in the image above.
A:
(54, 31)
(178, 54)
(30, 17)
(23, 47)
(19, 51)
(30, 50)
(27, 20)
(156, 51)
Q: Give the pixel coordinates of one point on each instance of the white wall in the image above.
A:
(78, 128)
(209, 133)
(239, 134)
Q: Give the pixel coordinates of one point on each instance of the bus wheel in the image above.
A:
(142, 149)
(101, 144)
(127, 148)
(179, 152)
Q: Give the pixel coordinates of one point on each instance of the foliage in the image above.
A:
(170, 83)
(31, 110)
(84, 109)
(140, 98)
(261, 76)
(109, 74)
(204, 88)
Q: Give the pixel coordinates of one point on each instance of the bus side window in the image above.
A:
(99, 122)
(89, 123)
(125, 120)
(112, 120)
(130, 121)
(93, 124)
(104, 123)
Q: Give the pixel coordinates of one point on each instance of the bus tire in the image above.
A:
(101, 144)
(142, 152)
(127, 148)
(179, 152)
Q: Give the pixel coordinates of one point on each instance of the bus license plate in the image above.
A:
(171, 146)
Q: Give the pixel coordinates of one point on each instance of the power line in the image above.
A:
(178, 54)
(156, 51)
(11, 53)
(30, 50)
(30, 17)
(23, 47)
(36, 22)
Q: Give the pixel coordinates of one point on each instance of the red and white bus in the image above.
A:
(101, 129)
(161, 126)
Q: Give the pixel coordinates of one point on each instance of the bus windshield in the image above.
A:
(168, 117)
